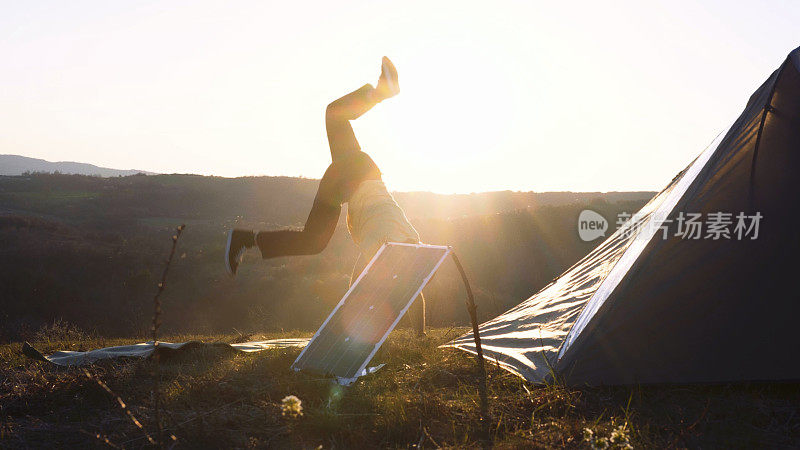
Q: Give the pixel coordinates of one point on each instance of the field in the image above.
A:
(81, 258)
(423, 397)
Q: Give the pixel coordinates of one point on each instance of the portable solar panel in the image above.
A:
(369, 311)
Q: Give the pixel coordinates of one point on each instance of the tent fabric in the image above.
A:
(641, 308)
(145, 349)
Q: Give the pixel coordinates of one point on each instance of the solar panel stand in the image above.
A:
(473, 315)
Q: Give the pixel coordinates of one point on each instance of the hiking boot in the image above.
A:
(388, 86)
(238, 242)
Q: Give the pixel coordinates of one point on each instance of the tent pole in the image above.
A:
(472, 309)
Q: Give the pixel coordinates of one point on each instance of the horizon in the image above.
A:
(520, 97)
(146, 173)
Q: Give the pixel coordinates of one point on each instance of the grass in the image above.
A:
(424, 396)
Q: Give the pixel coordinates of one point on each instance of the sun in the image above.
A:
(445, 118)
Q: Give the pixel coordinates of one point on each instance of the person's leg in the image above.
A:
(340, 112)
(338, 115)
(314, 237)
(417, 315)
(318, 229)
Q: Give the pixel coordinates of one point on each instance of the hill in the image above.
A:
(18, 165)
(88, 250)
(277, 201)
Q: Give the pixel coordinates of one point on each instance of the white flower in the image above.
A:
(621, 438)
(600, 444)
(291, 406)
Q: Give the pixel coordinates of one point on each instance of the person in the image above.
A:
(373, 216)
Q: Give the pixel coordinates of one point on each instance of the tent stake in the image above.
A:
(473, 315)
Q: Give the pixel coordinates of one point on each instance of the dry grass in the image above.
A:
(425, 396)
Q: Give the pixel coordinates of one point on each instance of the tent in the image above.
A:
(655, 303)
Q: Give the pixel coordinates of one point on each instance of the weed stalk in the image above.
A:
(156, 324)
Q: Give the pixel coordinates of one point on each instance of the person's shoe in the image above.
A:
(238, 242)
(388, 86)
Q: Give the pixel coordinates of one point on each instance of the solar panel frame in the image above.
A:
(301, 364)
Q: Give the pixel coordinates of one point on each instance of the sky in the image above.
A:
(504, 95)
